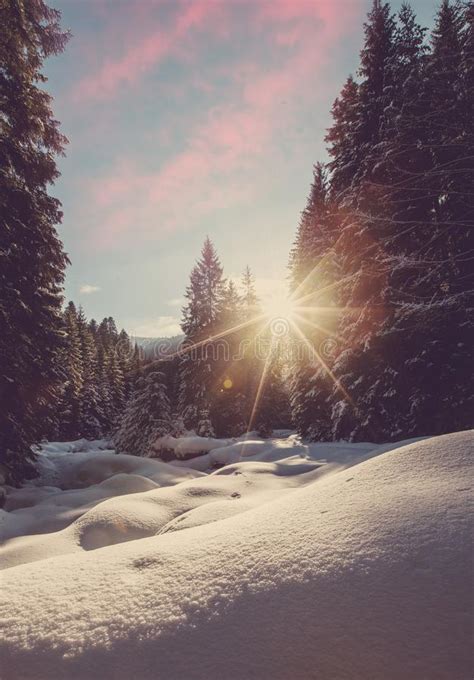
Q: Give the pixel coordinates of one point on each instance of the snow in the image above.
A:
(189, 445)
(72, 482)
(333, 561)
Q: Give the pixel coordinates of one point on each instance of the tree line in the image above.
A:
(211, 385)
(387, 238)
(100, 367)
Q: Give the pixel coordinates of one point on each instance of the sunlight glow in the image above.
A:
(279, 307)
(282, 318)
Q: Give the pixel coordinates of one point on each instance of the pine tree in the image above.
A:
(272, 410)
(125, 351)
(451, 143)
(226, 405)
(204, 427)
(146, 417)
(249, 298)
(106, 414)
(177, 425)
(73, 366)
(250, 362)
(200, 324)
(401, 188)
(313, 238)
(90, 425)
(30, 305)
(116, 381)
(159, 423)
(312, 272)
(345, 156)
(113, 384)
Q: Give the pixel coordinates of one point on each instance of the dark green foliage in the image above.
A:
(32, 261)
(220, 375)
(400, 236)
(100, 368)
(200, 325)
(147, 416)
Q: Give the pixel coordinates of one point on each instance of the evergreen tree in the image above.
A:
(116, 382)
(272, 409)
(249, 298)
(342, 148)
(177, 425)
(90, 426)
(204, 427)
(104, 390)
(116, 367)
(313, 238)
(200, 323)
(401, 190)
(250, 362)
(376, 76)
(312, 270)
(30, 305)
(226, 406)
(126, 356)
(146, 418)
(73, 366)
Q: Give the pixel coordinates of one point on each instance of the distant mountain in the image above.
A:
(157, 348)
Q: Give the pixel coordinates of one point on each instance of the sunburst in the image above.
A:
(294, 314)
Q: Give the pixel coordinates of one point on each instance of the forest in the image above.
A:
(381, 265)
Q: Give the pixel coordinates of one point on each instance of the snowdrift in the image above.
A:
(264, 569)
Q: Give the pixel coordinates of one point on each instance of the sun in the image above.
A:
(279, 306)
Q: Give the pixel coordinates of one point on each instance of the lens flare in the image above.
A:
(279, 307)
(283, 319)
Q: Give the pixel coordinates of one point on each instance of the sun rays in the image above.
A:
(274, 329)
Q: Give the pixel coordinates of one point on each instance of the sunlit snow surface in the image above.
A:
(260, 559)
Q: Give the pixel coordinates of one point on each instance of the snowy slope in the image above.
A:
(282, 572)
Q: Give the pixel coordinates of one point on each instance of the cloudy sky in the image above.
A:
(189, 118)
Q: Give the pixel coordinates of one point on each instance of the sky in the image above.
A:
(187, 119)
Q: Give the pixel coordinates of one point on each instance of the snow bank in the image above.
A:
(183, 447)
(288, 451)
(81, 481)
(138, 515)
(360, 574)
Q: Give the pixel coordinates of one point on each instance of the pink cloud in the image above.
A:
(226, 155)
(146, 52)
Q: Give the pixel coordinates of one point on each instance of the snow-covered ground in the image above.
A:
(259, 560)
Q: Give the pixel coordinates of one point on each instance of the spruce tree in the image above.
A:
(251, 358)
(272, 410)
(225, 409)
(90, 425)
(341, 139)
(401, 187)
(125, 351)
(204, 426)
(146, 417)
(74, 369)
(106, 414)
(32, 258)
(313, 238)
(249, 298)
(116, 380)
(312, 270)
(200, 324)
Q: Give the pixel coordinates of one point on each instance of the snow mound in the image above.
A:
(83, 479)
(183, 447)
(129, 515)
(360, 574)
